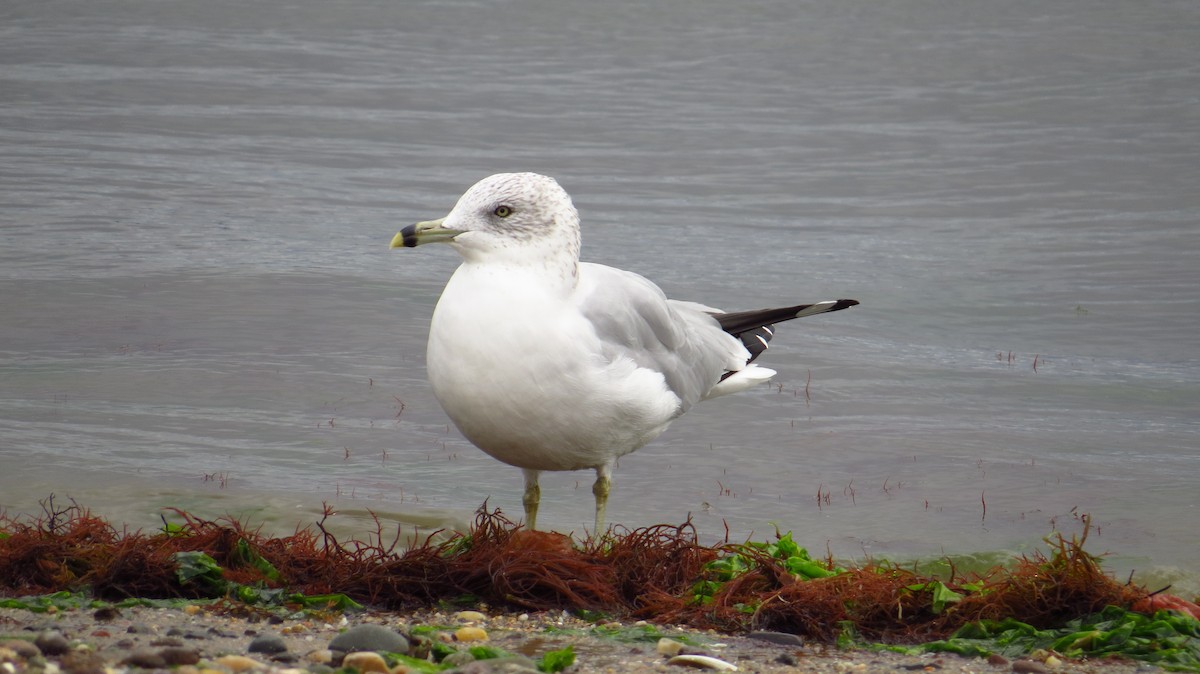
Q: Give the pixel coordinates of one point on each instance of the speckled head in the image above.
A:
(505, 217)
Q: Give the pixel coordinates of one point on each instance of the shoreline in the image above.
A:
(195, 640)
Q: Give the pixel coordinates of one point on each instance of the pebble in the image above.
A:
(167, 641)
(470, 634)
(176, 655)
(470, 616)
(366, 661)
(370, 638)
(106, 613)
(267, 643)
(20, 647)
(780, 638)
(239, 663)
(458, 659)
(1029, 667)
(52, 642)
(321, 656)
(702, 662)
(668, 647)
(145, 658)
(82, 662)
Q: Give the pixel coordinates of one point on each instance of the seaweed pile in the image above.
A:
(660, 574)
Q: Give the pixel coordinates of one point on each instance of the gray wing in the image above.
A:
(634, 320)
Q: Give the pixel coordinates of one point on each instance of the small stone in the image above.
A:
(239, 663)
(997, 659)
(145, 658)
(82, 662)
(470, 616)
(106, 613)
(366, 661)
(52, 642)
(702, 662)
(21, 648)
(668, 647)
(458, 659)
(267, 643)
(787, 659)
(1029, 667)
(192, 609)
(175, 656)
(167, 641)
(138, 628)
(370, 638)
(321, 656)
(779, 638)
(1053, 661)
(470, 634)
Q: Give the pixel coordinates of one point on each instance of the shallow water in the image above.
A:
(200, 309)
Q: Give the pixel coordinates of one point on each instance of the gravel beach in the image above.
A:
(194, 640)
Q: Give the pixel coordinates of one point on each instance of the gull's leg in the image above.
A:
(533, 495)
(601, 489)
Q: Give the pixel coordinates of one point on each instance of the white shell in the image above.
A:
(703, 662)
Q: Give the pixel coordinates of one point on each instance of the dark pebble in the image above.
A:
(787, 659)
(370, 638)
(274, 619)
(145, 658)
(997, 659)
(125, 644)
(52, 642)
(106, 614)
(174, 656)
(174, 632)
(139, 628)
(780, 638)
(285, 658)
(267, 643)
(1029, 667)
(217, 632)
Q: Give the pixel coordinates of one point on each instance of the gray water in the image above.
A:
(199, 308)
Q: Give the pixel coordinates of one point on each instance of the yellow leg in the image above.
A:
(601, 489)
(533, 496)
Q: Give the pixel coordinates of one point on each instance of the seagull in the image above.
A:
(548, 363)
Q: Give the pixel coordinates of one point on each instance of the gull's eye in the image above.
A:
(503, 211)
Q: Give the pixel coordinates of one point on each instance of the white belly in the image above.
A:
(538, 394)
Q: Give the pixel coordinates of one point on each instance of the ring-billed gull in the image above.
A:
(549, 363)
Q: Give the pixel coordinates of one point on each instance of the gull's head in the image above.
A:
(504, 215)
